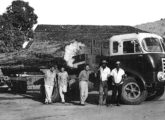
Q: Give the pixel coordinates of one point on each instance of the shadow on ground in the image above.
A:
(35, 95)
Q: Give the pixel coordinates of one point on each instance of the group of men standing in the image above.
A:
(117, 76)
(103, 73)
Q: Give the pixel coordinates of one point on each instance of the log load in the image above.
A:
(49, 45)
(38, 55)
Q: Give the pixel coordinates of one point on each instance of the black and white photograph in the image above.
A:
(82, 60)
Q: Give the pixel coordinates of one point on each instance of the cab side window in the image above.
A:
(131, 46)
(128, 47)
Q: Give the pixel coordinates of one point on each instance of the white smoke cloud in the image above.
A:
(72, 50)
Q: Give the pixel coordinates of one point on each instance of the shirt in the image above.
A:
(49, 77)
(104, 73)
(117, 75)
(62, 78)
(84, 75)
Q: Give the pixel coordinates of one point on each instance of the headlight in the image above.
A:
(161, 76)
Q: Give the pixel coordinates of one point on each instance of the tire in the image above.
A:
(132, 92)
(13, 86)
(19, 87)
(23, 87)
(156, 95)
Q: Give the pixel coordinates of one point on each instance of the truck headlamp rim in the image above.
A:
(160, 76)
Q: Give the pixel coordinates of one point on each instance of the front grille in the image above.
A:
(163, 64)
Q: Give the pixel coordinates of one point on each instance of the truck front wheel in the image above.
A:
(132, 92)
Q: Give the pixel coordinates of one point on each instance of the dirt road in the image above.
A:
(26, 107)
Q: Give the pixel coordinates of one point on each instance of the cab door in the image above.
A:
(129, 53)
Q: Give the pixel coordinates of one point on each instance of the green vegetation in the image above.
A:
(16, 26)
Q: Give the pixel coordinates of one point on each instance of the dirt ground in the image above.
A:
(28, 107)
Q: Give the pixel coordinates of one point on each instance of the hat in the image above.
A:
(117, 62)
(104, 61)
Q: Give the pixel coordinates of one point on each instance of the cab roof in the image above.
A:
(139, 36)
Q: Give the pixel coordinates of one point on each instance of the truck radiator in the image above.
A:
(163, 64)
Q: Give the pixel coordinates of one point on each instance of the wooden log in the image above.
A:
(39, 54)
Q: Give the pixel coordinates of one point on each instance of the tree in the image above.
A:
(10, 38)
(16, 25)
(21, 15)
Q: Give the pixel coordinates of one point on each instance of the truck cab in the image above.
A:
(143, 58)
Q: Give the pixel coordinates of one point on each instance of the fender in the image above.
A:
(131, 72)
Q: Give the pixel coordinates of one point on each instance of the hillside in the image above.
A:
(157, 27)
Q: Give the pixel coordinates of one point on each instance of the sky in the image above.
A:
(95, 12)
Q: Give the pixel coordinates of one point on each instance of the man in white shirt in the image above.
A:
(49, 81)
(117, 79)
(104, 73)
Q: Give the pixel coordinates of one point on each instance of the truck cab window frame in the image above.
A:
(131, 47)
(152, 44)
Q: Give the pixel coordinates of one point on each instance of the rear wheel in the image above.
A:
(19, 86)
(132, 92)
(22, 86)
(156, 95)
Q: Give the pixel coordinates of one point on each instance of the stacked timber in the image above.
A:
(50, 41)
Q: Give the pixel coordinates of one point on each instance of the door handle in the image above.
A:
(140, 55)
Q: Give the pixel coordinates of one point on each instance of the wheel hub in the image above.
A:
(132, 90)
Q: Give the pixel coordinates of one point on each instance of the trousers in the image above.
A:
(83, 91)
(48, 93)
(62, 91)
(103, 92)
(116, 93)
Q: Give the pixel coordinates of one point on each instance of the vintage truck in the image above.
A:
(142, 56)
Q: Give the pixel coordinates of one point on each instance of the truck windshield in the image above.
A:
(152, 45)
